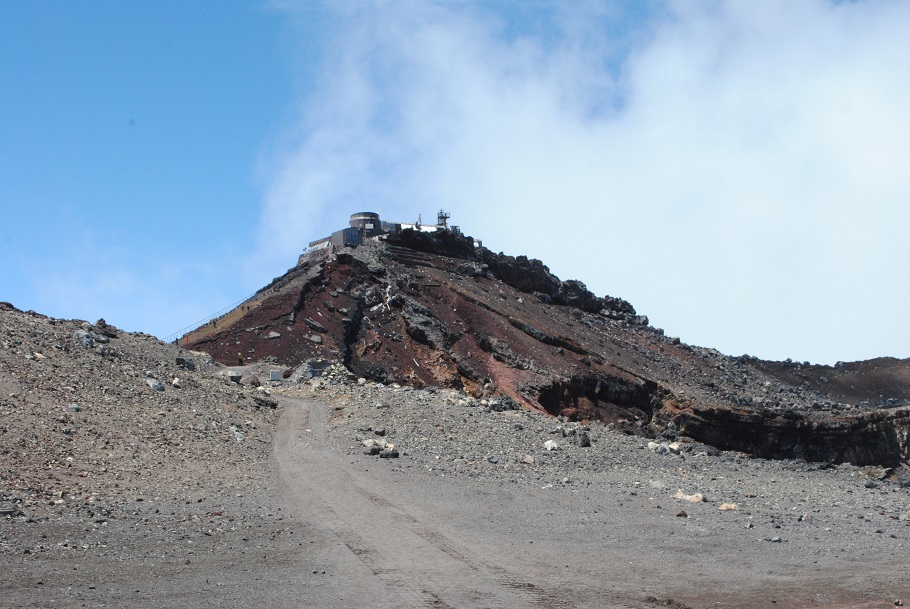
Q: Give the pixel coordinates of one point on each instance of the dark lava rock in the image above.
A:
(583, 439)
(186, 362)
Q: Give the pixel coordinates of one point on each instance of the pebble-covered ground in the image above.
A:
(135, 473)
(123, 462)
(448, 434)
(93, 419)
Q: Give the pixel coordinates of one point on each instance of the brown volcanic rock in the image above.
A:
(432, 310)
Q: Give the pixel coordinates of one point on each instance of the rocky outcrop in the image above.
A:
(525, 274)
(878, 437)
(534, 277)
(622, 399)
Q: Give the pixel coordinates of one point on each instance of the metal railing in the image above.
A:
(215, 316)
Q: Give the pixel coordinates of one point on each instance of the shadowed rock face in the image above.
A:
(432, 310)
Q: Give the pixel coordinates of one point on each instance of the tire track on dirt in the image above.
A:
(538, 596)
(419, 564)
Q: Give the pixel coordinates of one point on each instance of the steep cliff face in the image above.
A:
(433, 310)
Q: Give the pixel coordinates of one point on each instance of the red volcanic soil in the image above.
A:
(432, 310)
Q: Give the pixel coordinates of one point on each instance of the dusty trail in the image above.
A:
(114, 493)
(408, 559)
(395, 536)
(322, 526)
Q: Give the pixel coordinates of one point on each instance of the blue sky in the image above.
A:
(738, 171)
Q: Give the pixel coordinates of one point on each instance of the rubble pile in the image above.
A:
(93, 419)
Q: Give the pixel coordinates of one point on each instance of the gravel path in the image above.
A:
(207, 492)
(801, 533)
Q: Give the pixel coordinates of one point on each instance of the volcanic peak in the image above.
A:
(436, 308)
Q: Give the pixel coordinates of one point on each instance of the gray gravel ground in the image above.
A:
(212, 493)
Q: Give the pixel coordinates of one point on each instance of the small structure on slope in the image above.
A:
(368, 225)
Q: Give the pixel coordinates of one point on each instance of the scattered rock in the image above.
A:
(250, 380)
(502, 404)
(693, 498)
(314, 325)
(186, 362)
(85, 338)
(155, 384)
(310, 369)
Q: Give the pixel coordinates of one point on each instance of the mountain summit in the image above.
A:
(429, 306)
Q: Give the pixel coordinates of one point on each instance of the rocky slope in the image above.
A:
(136, 473)
(93, 419)
(430, 310)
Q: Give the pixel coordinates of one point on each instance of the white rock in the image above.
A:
(693, 498)
(551, 445)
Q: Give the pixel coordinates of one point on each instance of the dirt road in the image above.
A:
(319, 525)
(134, 474)
(393, 536)
(407, 557)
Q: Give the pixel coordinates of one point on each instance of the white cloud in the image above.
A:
(736, 170)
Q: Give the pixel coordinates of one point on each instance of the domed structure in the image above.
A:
(368, 222)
